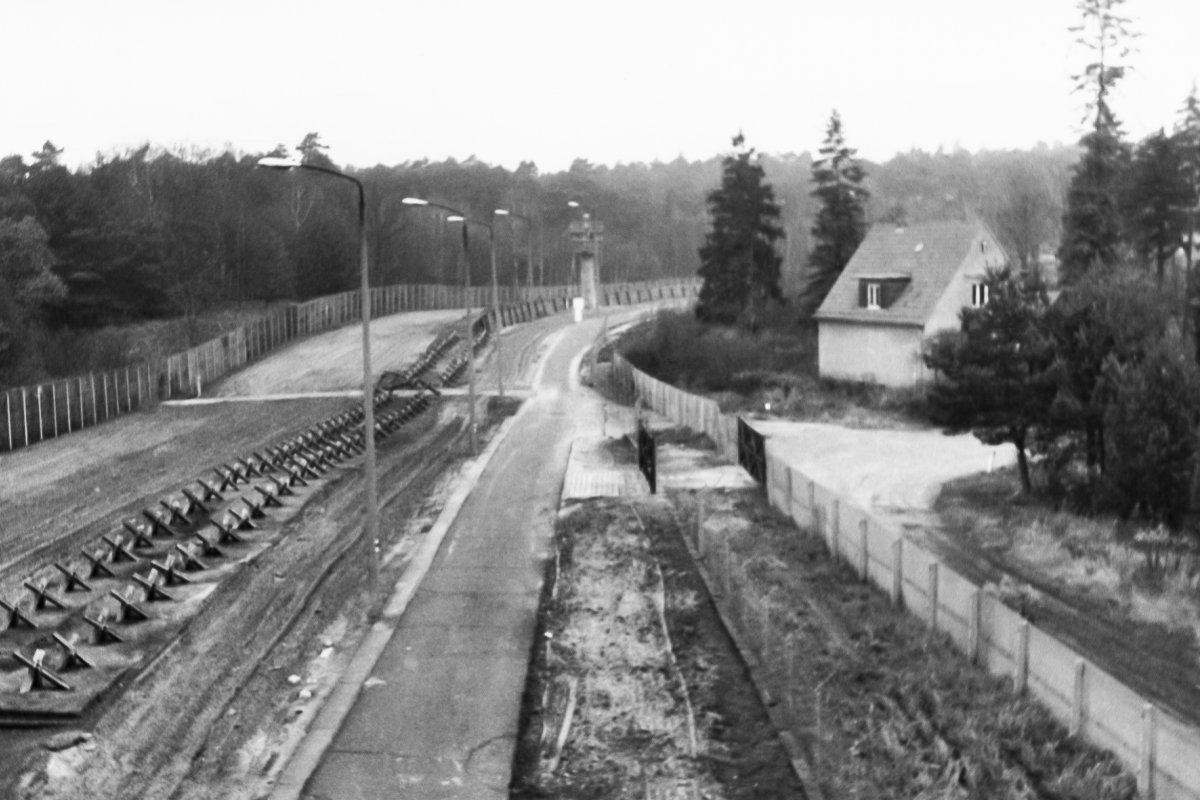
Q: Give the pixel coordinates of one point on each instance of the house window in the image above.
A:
(979, 295)
(873, 295)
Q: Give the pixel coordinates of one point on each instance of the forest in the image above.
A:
(151, 234)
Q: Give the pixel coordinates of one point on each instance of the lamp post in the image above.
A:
(504, 212)
(495, 291)
(371, 529)
(469, 338)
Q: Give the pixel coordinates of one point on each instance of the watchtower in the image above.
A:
(586, 235)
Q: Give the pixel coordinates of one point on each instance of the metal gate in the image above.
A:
(752, 452)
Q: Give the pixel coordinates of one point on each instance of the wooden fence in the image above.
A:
(1162, 750)
(31, 414)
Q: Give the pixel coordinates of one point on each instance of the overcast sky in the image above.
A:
(611, 81)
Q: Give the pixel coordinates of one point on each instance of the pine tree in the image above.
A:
(738, 261)
(1187, 134)
(841, 222)
(995, 376)
(1156, 200)
(1091, 222)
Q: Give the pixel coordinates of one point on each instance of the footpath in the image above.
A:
(429, 707)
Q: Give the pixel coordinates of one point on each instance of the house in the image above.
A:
(902, 285)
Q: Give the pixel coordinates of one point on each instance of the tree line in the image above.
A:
(150, 233)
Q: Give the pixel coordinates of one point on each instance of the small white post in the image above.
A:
(1021, 657)
(973, 612)
(897, 571)
(1146, 754)
(834, 524)
(933, 598)
(1078, 704)
(864, 563)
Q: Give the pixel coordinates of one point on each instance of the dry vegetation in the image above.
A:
(1135, 576)
(879, 709)
(774, 370)
(660, 702)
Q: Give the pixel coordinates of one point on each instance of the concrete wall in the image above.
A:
(886, 354)
(1160, 749)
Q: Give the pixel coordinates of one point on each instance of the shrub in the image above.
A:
(1150, 427)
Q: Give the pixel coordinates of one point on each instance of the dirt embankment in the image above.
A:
(217, 713)
(333, 361)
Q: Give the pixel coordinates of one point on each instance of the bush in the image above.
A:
(1150, 433)
(677, 348)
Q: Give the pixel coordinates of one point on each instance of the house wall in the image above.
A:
(886, 354)
(958, 291)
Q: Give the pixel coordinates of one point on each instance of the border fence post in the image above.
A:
(25, 415)
(973, 613)
(1146, 754)
(933, 598)
(1078, 700)
(864, 553)
(897, 571)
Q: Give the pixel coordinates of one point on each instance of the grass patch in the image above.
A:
(1131, 575)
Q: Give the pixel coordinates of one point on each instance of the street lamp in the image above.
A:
(371, 530)
(495, 291)
(459, 216)
(504, 212)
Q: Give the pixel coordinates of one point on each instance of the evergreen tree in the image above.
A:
(738, 261)
(1091, 223)
(1156, 200)
(1151, 418)
(1187, 134)
(995, 374)
(841, 221)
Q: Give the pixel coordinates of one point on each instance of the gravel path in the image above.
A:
(882, 470)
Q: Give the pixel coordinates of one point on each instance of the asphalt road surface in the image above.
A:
(438, 718)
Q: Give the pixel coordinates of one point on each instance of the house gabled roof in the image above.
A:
(928, 254)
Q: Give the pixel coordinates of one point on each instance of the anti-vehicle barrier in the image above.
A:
(1154, 744)
(31, 414)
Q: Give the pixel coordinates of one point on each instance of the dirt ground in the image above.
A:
(665, 711)
(218, 712)
(877, 709)
(898, 471)
(1079, 579)
(219, 709)
(333, 361)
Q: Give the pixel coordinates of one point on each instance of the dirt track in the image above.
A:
(333, 360)
(883, 470)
